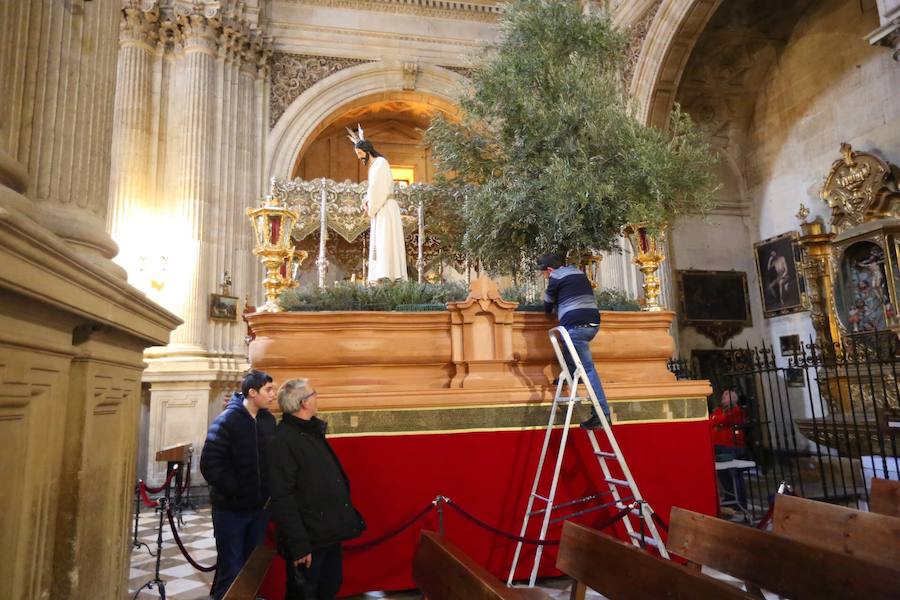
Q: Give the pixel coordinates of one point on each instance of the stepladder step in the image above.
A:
(618, 482)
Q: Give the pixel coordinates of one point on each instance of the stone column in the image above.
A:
(193, 195)
(131, 193)
(57, 67)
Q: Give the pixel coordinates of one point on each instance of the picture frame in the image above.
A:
(713, 297)
(790, 345)
(794, 377)
(782, 286)
(223, 308)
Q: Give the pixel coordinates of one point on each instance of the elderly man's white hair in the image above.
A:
(291, 395)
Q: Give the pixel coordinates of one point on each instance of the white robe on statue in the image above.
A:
(387, 251)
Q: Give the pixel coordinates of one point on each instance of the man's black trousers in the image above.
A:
(320, 581)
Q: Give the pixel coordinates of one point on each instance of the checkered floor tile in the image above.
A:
(183, 582)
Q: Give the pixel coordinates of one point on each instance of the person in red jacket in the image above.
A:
(727, 430)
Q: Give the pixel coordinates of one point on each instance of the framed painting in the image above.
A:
(781, 285)
(714, 297)
(223, 308)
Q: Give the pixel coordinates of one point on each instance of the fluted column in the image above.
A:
(131, 193)
(57, 65)
(193, 195)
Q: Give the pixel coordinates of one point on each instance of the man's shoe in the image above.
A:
(592, 423)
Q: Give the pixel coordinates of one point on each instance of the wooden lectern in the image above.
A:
(178, 459)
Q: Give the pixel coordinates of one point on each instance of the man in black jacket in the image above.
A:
(310, 497)
(233, 464)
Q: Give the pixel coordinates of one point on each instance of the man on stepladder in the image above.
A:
(569, 293)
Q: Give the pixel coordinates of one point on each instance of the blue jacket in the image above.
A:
(569, 292)
(233, 461)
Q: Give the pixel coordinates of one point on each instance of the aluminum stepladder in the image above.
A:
(638, 521)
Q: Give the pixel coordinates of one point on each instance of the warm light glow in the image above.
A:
(403, 175)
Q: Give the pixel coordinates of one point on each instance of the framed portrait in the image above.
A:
(223, 308)
(790, 345)
(781, 285)
(794, 377)
(714, 297)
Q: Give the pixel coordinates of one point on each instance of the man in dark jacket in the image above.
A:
(310, 497)
(233, 463)
(570, 295)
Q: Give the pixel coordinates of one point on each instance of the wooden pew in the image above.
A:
(793, 569)
(869, 536)
(885, 497)
(620, 571)
(251, 576)
(444, 572)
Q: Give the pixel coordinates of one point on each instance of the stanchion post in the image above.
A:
(136, 543)
(159, 583)
(440, 508)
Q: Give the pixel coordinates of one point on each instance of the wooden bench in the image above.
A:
(620, 571)
(885, 497)
(870, 536)
(251, 576)
(781, 565)
(444, 572)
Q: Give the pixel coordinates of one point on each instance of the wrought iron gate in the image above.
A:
(822, 419)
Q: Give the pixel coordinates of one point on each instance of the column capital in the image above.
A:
(139, 27)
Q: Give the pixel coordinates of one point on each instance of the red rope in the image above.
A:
(181, 547)
(146, 499)
(617, 517)
(392, 533)
(157, 490)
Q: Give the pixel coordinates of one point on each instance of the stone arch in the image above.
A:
(667, 47)
(314, 109)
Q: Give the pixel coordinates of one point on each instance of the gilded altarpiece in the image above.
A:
(853, 270)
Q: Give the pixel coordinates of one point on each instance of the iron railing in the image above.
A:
(818, 417)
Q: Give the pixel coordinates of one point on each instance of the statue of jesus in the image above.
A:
(387, 251)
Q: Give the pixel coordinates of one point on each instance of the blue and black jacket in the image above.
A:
(233, 461)
(570, 293)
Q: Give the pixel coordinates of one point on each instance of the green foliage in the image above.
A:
(545, 156)
(344, 296)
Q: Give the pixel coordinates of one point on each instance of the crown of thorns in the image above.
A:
(357, 136)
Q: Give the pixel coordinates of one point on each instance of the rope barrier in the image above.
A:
(181, 547)
(525, 540)
(156, 490)
(145, 498)
(659, 522)
(385, 537)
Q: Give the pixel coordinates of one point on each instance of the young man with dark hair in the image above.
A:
(233, 464)
(570, 295)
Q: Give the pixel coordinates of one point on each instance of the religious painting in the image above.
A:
(223, 308)
(714, 296)
(790, 345)
(781, 286)
(862, 298)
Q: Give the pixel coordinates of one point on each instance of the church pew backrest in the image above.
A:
(885, 497)
(869, 536)
(620, 571)
(444, 572)
(251, 576)
(778, 564)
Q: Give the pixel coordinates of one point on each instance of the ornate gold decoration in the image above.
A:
(852, 188)
(648, 254)
(803, 213)
(273, 223)
(815, 262)
(591, 267)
